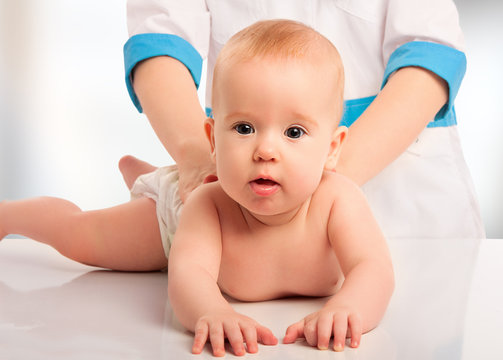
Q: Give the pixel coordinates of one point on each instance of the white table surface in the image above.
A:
(448, 304)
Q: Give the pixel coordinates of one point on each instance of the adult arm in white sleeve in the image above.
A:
(423, 73)
(163, 62)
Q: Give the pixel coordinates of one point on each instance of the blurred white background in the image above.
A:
(66, 119)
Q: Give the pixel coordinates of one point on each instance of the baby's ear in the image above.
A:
(209, 129)
(338, 138)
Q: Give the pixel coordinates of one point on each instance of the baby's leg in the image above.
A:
(124, 237)
(132, 167)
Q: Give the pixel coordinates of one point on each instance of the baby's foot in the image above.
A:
(131, 168)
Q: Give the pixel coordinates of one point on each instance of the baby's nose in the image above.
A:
(266, 151)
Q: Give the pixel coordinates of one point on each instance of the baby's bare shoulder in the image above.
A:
(337, 187)
(211, 193)
(335, 192)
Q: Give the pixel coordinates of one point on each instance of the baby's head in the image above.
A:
(282, 40)
(277, 101)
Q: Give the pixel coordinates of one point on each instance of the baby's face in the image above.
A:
(272, 133)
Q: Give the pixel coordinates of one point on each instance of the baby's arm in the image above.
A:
(369, 281)
(196, 299)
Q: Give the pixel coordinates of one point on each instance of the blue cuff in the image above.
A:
(353, 109)
(445, 61)
(144, 46)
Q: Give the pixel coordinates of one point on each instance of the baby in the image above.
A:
(277, 222)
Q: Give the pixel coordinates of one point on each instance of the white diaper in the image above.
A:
(162, 186)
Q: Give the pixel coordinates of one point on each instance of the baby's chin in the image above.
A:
(271, 216)
(270, 209)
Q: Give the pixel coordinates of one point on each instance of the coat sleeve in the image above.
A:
(426, 33)
(179, 29)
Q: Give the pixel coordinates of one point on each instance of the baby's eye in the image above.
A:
(244, 129)
(294, 132)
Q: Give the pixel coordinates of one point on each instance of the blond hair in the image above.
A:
(282, 40)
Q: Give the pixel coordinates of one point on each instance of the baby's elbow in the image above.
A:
(391, 279)
(173, 281)
(388, 282)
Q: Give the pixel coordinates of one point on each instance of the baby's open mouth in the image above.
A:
(265, 182)
(264, 187)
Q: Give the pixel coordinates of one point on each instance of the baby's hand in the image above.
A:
(318, 327)
(237, 328)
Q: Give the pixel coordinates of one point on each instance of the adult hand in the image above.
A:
(195, 168)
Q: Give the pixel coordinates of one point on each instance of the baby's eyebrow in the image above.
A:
(238, 115)
(305, 118)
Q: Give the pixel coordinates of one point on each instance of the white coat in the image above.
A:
(427, 192)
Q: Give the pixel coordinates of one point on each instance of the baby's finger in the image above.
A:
(200, 337)
(311, 332)
(217, 339)
(250, 337)
(325, 326)
(265, 336)
(235, 337)
(340, 329)
(355, 326)
(293, 332)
